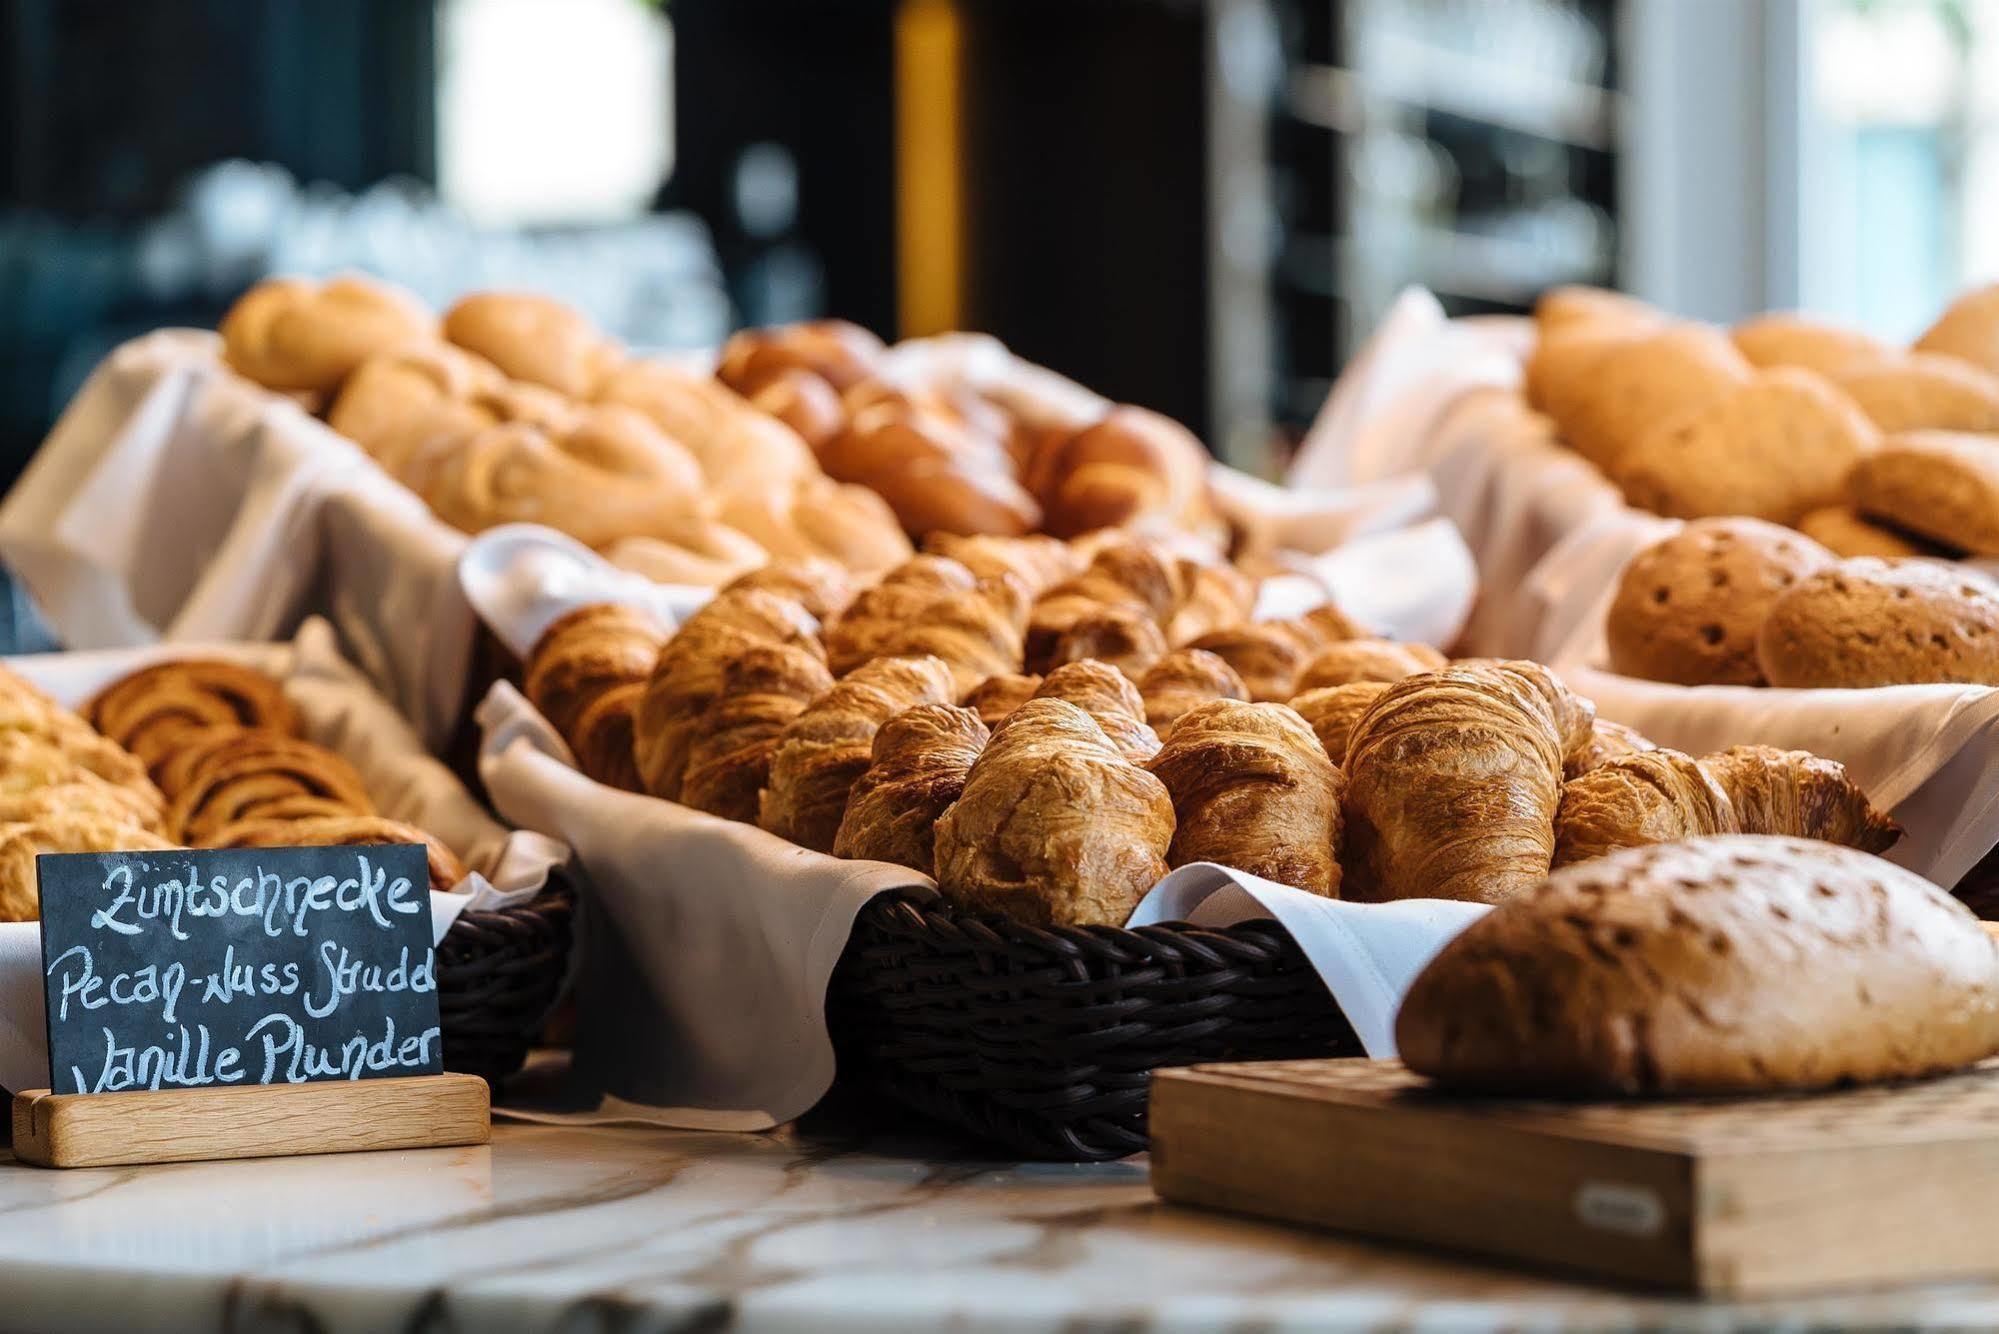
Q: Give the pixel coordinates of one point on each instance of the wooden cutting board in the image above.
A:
(1738, 1197)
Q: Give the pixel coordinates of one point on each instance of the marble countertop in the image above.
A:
(627, 1228)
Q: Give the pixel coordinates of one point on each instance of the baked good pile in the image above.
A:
(1047, 728)
(193, 753)
(1869, 449)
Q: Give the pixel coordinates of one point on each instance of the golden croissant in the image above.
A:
(917, 768)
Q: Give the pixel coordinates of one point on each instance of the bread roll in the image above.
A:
(1723, 965)
(1608, 387)
(1921, 391)
(1795, 340)
(1253, 789)
(918, 766)
(1844, 531)
(1968, 329)
(828, 746)
(1574, 305)
(534, 338)
(935, 474)
(1133, 468)
(818, 518)
(837, 352)
(1054, 827)
(1867, 622)
(1938, 484)
(1688, 609)
(742, 452)
(392, 393)
(294, 334)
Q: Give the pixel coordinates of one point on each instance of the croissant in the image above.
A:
(67, 831)
(584, 653)
(1143, 578)
(1332, 711)
(1453, 781)
(827, 747)
(1654, 796)
(933, 472)
(688, 673)
(1183, 680)
(1367, 660)
(920, 760)
(1039, 562)
(997, 696)
(1124, 637)
(1253, 789)
(252, 773)
(1797, 793)
(822, 587)
(447, 872)
(763, 688)
(930, 605)
(1270, 655)
(1131, 468)
(1054, 826)
(602, 739)
(1110, 699)
(153, 710)
(1216, 598)
(1608, 741)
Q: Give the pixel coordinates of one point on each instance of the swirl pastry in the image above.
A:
(252, 773)
(447, 872)
(157, 709)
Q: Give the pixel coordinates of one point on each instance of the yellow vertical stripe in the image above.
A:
(929, 187)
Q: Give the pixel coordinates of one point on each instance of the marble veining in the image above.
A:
(635, 1228)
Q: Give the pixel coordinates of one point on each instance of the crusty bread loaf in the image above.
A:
(1774, 448)
(1867, 622)
(1943, 485)
(1687, 610)
(1717, 965)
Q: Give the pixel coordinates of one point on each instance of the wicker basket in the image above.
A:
(499, 974)
(1042, 1040)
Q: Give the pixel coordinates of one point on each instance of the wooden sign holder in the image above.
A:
(249, 1121)
(1726, 1197)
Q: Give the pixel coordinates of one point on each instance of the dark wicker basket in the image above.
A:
(498, 975)
(1043, 1040)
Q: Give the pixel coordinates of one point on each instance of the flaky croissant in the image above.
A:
(1142, 578)
(931, 605)
(764, 687)
(1608, 741)
(828, 746)
(1038, 561)
(1110, 699)
(1453, 781)
(823, 587)
(1332, 711)
(1797, 793)
(1269, 655)
(1124, 637)
(1253, 789)
(1366, 660)
(1653, 796)
(920, 760)
(1184, 680)
(1216, 597)
(585, 652)
(1054, 827)
(997, 696)
(688, 674)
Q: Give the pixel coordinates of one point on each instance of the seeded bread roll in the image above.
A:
(1938, 484)
(1734, 964)
(1869, 622)
(1845, 531)
(1687, 610)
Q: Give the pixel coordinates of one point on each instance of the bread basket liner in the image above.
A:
(338, 709)
(1551, 535)
(177, 501)
(709, 943)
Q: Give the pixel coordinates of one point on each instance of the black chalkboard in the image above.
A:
(193, 969)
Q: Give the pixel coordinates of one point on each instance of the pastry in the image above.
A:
(68, 831)
(1122, 636)
(1110, 699)
(934, 473)
(823, 587)
(1655, 796)
(1608, 741)
(1921, 391)
(393, 398)
(688, 672)
(995, 697)
(717, 557)
(81, 795)
(1866, 622)
(1132, 469)
(297, 334)
(823, 519)
(763, 688)
(1269, 655)
(1802, 795)
(251, 773)
(447, 872)
(1054, 827)
(153, 710)
(1253, 789)
(604, 737)
(1039, 562)
(1797, 340)
(1453, 780)
(1332, 711)
(534, 338)
(837, 352)
(1688, 609)
(1183, 680)
(1721, 965)
(917, 767)
(1573, 305)
(741, 451)
(1776, 448)
(30, 763)
(1127, 579)
(804, 402)
(930, 605)
(828, 746)
(1845, 531)
(585, 652)
(1366, 660)
(1216, 597)
(1968, 330)
(1937, 484)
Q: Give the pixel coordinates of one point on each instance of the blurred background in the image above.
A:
(1198, 205)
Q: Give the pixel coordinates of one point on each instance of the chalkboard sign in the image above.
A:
(238, 966)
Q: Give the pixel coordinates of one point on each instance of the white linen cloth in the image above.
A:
(710, 943)
(338, 709)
